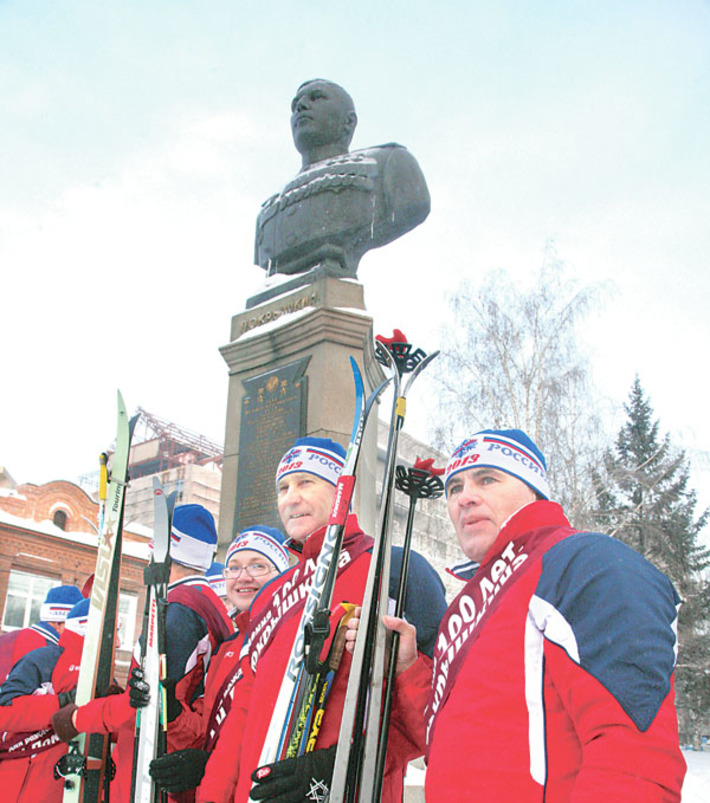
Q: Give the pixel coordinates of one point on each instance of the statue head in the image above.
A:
(323, 120)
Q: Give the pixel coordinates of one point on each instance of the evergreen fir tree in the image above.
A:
(644, 500)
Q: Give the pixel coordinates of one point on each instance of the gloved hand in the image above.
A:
(179, 771)
(113, 688)
(66, 697)
(62, 723)
(138, 689)
(294, 780)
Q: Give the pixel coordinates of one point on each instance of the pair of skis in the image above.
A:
(84, 766)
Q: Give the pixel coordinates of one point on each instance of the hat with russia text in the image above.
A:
(509, 450)
(58, 602)
(215, 577)
(193, 537)
(320, 456)
(78, 617)
(267, 541)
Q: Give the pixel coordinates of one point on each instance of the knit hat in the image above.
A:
(509, 450)
(215, 576)
(193, 537)
(267, 541)
(78, 617)
(320, 456)
(58, 602)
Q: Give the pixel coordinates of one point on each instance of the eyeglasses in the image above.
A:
(253, 570)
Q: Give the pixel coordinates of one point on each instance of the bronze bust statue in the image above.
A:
(342, 203)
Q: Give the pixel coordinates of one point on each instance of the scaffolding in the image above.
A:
(159, 445)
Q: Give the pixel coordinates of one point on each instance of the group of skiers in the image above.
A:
(549, 677)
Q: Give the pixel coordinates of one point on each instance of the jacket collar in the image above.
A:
(529, 517)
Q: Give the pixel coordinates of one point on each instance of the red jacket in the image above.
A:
(17, 644)
(29, 699)
(552, 675)
(196, 624)
(222, 676)
(238, 750)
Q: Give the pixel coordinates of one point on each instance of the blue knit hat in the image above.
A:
(509, 450)
(320, 456)
(215, 576)
(78, 617)
(58, 602)
(193, 537)
(267, 541)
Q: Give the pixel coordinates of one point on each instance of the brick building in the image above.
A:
(48, 538)
(48, 532)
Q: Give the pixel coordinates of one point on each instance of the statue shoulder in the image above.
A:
(379, 152)
(392, 156)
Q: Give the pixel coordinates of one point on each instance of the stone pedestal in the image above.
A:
(290, 375)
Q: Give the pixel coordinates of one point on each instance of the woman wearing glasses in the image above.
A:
(256, 556)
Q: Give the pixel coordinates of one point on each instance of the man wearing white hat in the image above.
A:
(40, 683)
(306, 479)
(57, 604)
(552, 677)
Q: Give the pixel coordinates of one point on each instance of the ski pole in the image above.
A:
(422, 481)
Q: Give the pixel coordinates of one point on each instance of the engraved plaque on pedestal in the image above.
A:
(273, 415)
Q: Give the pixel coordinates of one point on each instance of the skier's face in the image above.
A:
(242, 587)
(480, 501)
(304, 503)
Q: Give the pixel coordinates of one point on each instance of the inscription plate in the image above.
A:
(273, 416)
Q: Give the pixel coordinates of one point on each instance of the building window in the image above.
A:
(127, 604)
(60, 519)
(25, 595)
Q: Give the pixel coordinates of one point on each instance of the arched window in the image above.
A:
(60, 519)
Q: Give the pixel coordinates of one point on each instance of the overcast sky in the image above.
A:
(139, 140)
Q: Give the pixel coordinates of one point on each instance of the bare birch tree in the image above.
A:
(512, 359)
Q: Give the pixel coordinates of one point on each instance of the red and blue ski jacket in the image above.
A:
(552, 677)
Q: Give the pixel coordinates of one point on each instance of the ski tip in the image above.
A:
(357, 378)
(356, 370)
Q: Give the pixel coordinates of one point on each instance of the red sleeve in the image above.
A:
(106, 715)
(619, 762)
(411, 693)
(222, 770)
(188, 728)
(30, 712)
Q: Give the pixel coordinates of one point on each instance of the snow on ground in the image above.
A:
(696, 788)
